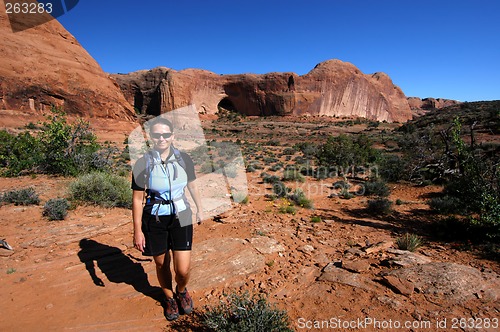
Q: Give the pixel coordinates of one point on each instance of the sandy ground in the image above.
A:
(82, 273)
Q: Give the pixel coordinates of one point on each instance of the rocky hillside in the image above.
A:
(46, 65)
(332, 88)
(421, 106)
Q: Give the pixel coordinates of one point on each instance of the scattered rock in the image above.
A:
(306, 248)
(356, 266)
(406, 258)
(453, 281)
(220, 261)
(266, 245)
(381, 246)
(401, 286)
(334, 274)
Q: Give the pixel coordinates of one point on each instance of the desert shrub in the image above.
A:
(19, 154)
(289, 209)
(293, 175)
(272, 143)
(56, 209)
(289, 151)
(24, 196)
(246, 313)
(280, 189)
(251, 168)
(308, 149)
(446, 205)
(59, 148)
(68, 149)
(345, 193)
(316, 219)
(376, 188)
(276, 167)
(409, 242)
(268, 178)
(392, 168)
(103, 189)
(473, 187)
(344, 151)
(379, 206)
(300, 199)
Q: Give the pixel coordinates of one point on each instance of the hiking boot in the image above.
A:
(186, 301)
(170, 309)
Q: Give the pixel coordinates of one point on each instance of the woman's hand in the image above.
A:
(139, 241)
(199, 217)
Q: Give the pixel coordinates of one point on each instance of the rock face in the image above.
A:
(45, 66)
(453, 281)
(421, 106)
(332, 88)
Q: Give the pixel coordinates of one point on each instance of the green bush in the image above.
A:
(293, 175)
(409, 242)
(25, 196)
(316, 219)
(379, 206)
(446, 205)
(289, 209)
(268, 178)
(345, 151)
(56, 209)
(392, 168)
(103, 189)
(58, 148)
(280, 189)
(19, 154)
(245, 313)
(376, 188)
(300, 199)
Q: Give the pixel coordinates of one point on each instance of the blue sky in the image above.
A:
(430, 48)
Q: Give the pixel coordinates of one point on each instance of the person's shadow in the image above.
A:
(116, 266)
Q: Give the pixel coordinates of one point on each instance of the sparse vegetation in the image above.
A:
(101, 189)
(410, 242)
(245, 312)
(57, 148)
(56, 209)
(379, 206)
(23, 196)
(316, 219)
(293, 175)
(280, 189)
(300, 199)
(376, 188)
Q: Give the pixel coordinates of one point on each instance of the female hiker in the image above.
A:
(162, 216)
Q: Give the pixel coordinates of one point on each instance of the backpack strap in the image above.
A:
(151, 159)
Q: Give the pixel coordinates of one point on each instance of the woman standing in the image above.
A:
(162, 216)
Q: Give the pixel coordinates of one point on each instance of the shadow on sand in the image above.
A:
(118, 267)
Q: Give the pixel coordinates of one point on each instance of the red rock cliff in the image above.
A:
(45, 66)
(332, 88)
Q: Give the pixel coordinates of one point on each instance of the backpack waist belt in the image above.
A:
(154, 200)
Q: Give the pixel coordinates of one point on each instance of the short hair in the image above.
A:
(159, 120)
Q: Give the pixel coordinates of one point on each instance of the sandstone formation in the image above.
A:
(421, 106)
(45, 65)
(332, 88)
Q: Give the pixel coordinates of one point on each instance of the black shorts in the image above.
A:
(167, 234)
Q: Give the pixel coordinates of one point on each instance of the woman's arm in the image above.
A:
(193, 190)
(137, 200)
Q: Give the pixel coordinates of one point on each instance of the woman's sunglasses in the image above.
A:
(158, 135)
